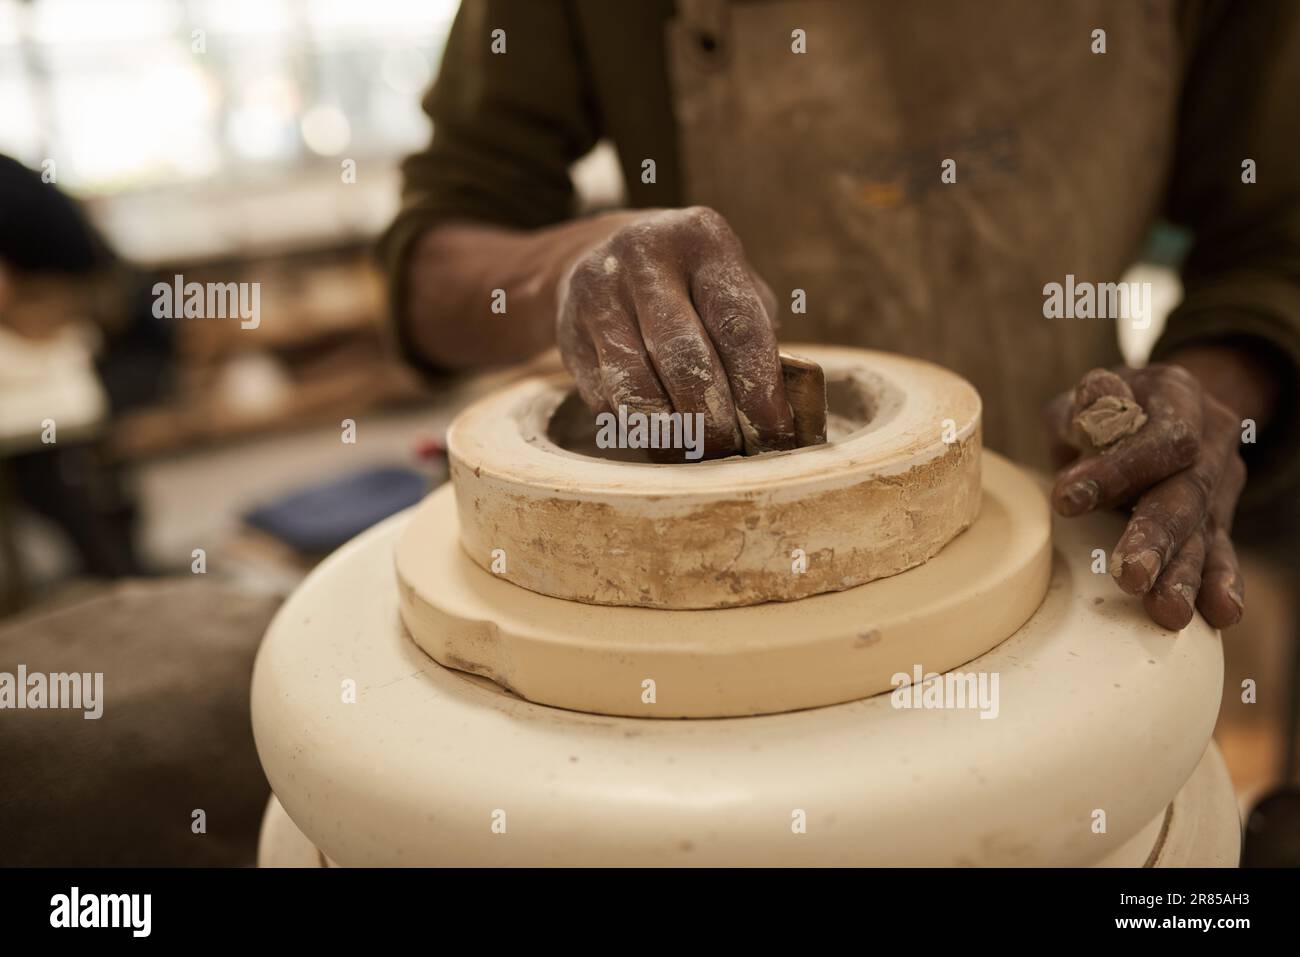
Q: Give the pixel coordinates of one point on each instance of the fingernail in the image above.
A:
(1148, 561)
(1236, 594)
(1080, 497)
(1173, 608)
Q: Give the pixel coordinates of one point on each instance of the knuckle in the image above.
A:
(704, 216)
(593, 270)
(582, 307)
(629, 239)
(1203, 486)
(707, 225)
(1184, 440)
(1097, 383)
(1175, 375)
(680, 351)
(642, 242)
(734, 329)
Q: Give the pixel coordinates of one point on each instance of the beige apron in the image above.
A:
(828, 165)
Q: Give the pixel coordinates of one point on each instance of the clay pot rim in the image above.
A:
(504, 437)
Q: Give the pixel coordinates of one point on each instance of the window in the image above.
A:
(137, 94)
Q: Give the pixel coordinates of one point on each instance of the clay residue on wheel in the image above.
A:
(734, 552)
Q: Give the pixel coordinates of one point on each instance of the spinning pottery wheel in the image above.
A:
(885, 653)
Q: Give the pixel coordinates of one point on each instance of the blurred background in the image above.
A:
(258, 141)
(223, 140)
(207, 138)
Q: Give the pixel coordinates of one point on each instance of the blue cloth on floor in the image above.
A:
(322, 517)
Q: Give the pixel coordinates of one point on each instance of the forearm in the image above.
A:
(1236, 375)
(454, 270)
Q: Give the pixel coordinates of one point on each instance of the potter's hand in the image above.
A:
(666, 316)
(1176, 461)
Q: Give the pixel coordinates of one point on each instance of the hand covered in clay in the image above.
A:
(666, 316)
(1154, 440)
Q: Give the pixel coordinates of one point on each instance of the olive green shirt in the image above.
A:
(508, 126)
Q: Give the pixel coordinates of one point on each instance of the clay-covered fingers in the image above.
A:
(1204, 574)
(1168, 442)
(666, 316)
(708, 330)
(731, 309)
(1167, 514)
(579, 355)
(601, 344)
(684, 359)
(1183, 467)
(1222, 597)
(1172, 599)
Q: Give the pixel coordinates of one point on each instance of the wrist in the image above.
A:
(578, 240)
(1234, 372)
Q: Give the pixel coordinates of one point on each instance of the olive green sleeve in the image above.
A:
(510, 114)
(1242, 276)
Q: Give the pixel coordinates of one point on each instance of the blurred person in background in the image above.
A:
(57, 271)
(178, 652)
